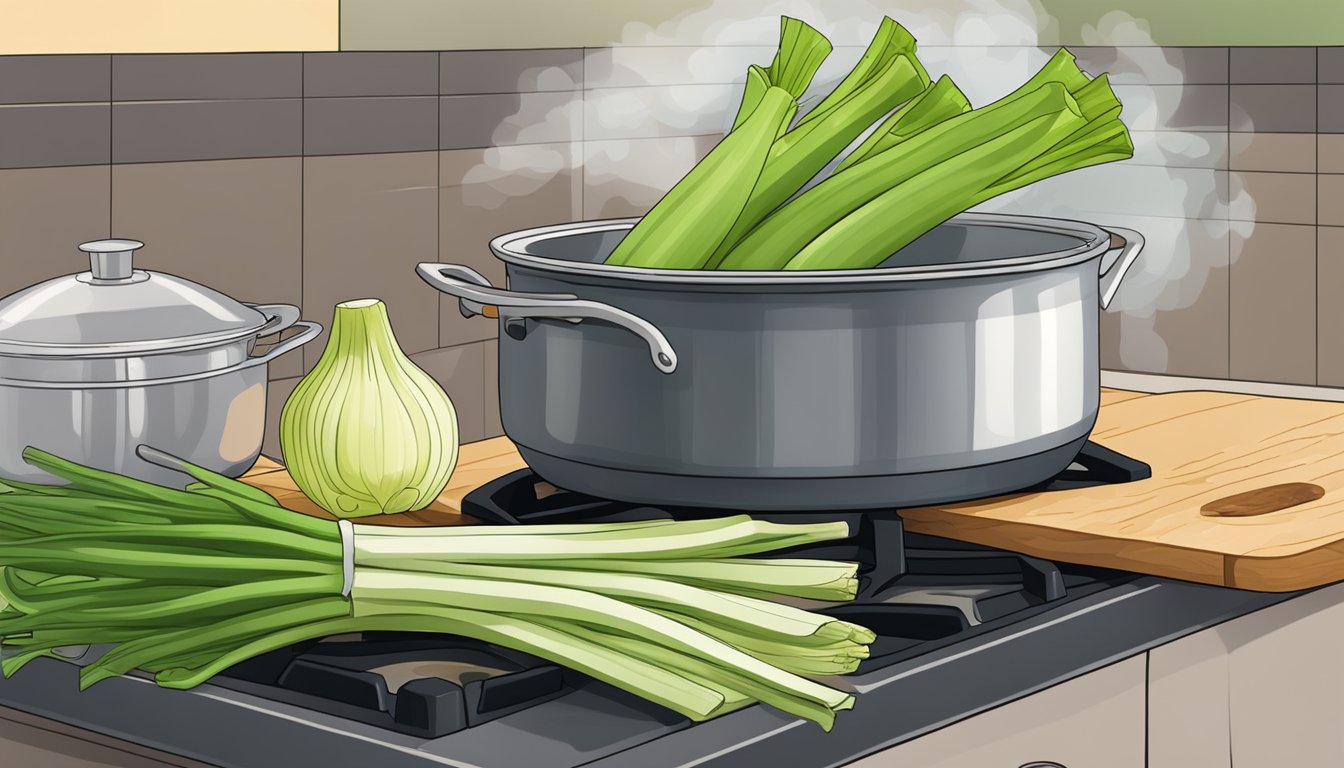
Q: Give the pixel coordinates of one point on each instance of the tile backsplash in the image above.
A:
(321, 177)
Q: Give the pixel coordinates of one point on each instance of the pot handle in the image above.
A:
(1119, 257)
(279, 317)
(309, 332)
(478, 297)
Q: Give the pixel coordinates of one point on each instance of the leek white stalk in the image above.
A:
(367, 432)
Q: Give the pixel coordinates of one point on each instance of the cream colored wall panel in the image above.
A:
(167, 26)
(430, 24)
(436, 24)
(1094, 721)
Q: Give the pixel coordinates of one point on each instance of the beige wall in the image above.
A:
(123, 26)
(160, 26)
(1210, 22)
(485, 24)
(488, 24)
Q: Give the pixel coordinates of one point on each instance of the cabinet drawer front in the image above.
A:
(1093, 721)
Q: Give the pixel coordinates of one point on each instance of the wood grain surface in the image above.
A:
(477, 464)
(1203, 447)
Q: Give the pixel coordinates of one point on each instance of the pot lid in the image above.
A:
(115, 309)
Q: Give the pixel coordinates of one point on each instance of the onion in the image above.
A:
(367, 432)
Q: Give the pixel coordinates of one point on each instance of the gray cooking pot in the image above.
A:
(94, 364)
(964, 366)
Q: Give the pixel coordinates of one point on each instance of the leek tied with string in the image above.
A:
(183, 584)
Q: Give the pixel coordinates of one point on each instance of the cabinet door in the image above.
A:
(28, 740)
(1286, 683)
(1187, 703)
(1093, 721)
(1261, 691)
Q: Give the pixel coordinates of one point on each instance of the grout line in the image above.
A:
(449, 149)
(1315, 216)
(1252, 131)
(20, 105)
(339, 96)
(438, 198)
(1227, 213)
(1236, 170)
(580, 155)
(111, 142)
(458, 345)
(303, 211)
(221, 99)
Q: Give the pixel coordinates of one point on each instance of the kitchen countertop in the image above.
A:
(129, 722)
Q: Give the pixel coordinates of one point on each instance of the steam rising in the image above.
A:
(654, 103)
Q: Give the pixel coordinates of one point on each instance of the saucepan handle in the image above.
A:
(308, 332)
(1119, 257)
(476, 296)
(278, 317)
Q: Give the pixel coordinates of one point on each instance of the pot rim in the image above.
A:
(512, 248)
(30, 349)
(270, 322)
(308, 331)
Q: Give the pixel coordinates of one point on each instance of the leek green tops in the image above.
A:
(748, 205)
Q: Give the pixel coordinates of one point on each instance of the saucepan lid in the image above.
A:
(114, 309)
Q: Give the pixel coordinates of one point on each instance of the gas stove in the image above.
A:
(940, 608)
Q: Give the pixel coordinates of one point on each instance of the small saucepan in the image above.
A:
(96, 363)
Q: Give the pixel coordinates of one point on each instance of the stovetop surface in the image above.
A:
(916, 592)
(942, 610)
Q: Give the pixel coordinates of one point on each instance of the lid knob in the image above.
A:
(110, 260)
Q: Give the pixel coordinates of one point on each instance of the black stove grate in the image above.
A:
(522, 497)
(420, 684)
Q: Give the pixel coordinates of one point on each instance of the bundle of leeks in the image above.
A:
(740, 209)
(185, 583)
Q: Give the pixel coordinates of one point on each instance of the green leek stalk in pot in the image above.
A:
(928, 160)
(367, 432)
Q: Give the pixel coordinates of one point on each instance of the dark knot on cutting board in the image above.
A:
(1271, 498)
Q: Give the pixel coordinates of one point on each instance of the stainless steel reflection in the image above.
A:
(964, 366)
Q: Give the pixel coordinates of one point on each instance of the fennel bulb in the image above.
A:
(367, 432)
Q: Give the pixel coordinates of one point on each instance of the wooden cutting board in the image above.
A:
(1203, 447)
(1207, 449)
(477, 464)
